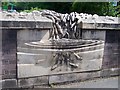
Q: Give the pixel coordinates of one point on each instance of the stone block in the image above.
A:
(25, 36)
(33, 81)
(110, 72)
(31, 70)
(54, 79)
(93, 34)
(9, 83)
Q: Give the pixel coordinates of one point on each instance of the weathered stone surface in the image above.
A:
(73, 77)
(110, 72)
(35, 20)
(25, 24)
(34, 70)
(25, 36)
(0, 56)
(34, 81)
(59, 79)
(9, 57)
(91, 60)
(9, 83)
(101, 26)
(93, 34)
(111, 52)
(110, 83)
(14, 32)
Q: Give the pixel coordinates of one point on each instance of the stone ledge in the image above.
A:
(103, 26)
(67, 78)
(58, 79)
(13, 24)
(25, 24)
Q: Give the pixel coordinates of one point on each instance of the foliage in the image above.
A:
(89, 7)
(4, 5)
(111, 10)
(62, 7)
(32, 9)
(100, 8)
(118, 10)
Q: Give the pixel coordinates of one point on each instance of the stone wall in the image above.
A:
(109, 67)
(15, 35)
(10, 31)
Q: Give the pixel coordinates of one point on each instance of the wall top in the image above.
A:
(22, 16)
(23, 20)
(36, 20)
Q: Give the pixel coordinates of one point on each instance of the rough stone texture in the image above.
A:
(9, 58)
(110, 72)
(60, 79)
(34, 70)
(73, 77)
(34, 81)
(93, 34)
(101, 26)
(26, 35)
(0, 56)
(25, 24)
(9, 83)
(112, 51)
(110, 83)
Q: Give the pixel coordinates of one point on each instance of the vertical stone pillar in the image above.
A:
(111, 52)
(0, 57)
(9, 54)
(118, 49)
(0, 48)
(9, 58)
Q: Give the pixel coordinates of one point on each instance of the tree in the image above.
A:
(100, 8)
(118, 9)
(112, 10)
(62, 7)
